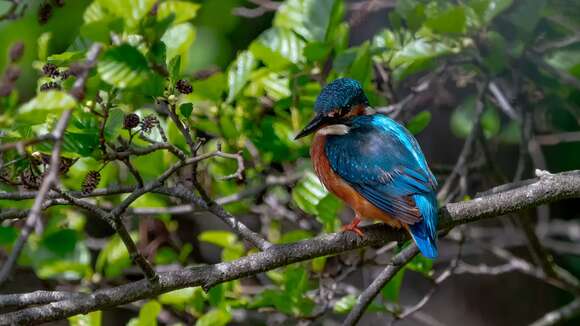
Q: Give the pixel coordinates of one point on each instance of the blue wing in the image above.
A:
(384, 163)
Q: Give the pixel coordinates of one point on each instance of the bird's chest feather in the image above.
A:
(335, 184)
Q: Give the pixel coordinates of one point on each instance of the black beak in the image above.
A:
(312, 126)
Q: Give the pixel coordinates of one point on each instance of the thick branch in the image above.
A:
(549, 188)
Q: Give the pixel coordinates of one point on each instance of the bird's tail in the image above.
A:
(425, 232)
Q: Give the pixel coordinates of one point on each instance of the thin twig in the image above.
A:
(365, 298)
(548, 188)
(49, 180)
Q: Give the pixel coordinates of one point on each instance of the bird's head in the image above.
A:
(338, 102)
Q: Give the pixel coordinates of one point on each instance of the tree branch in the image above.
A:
(548, 188)
(49, 180)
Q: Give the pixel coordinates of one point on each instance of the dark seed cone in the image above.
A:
(44, 13)
(91, 182)
(148, 123)
(48, 86)
(11, 74)
(29, 180)
(131, 121)
(65, 164)
(50, 70)
(183, 86)
(16, 52)
(6, 89)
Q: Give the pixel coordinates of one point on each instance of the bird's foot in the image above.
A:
(353, 227)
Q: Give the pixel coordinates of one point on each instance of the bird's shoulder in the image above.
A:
(377, 149)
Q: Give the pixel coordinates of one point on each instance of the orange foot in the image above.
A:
(353, 226)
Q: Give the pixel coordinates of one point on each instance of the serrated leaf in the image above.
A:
(178, 39)
(94, 12)
(308, 18)
(278, 47)
(123, 66)
(132, 11)
(419, 122)
(239, 73)
(182, 10)
(36, 110)
(308, 193)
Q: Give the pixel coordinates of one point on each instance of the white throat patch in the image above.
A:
(338, 129)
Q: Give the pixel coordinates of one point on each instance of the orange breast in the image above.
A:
(335, 184)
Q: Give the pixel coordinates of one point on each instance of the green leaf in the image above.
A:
(233, 252)
(178, 297)
(463, 118)
(147, 315)
(8, 235)
(361, 66)
(451, 21)
(211, 88)
(114, 124)
(175, 67)
(123, 66)
(65, 57)
(421, 265)
(419, 122)
(36, 110)
(182, 10)
(113, 258)
(487, 10)
(418, 50)
(219, 238)
(239, 73)
(165, 256)
(178, 39)
(316, 51)
(308, 193)
(392, 289)
(90, 319)
(308, 18)
(185, 110)
(345, 304)
(217, 295)
(61, 242)
(132, 11)
(215, 317)
(277, 48)
(295, 236)
(328, 208)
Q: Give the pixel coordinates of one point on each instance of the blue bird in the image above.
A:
(373, 164)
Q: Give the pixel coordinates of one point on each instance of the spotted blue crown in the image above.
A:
(341, 93)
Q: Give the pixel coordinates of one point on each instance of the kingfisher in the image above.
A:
(373, 164)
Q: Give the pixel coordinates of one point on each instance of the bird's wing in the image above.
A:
(383, 162)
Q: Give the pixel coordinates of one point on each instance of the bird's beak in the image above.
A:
(312, 126)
